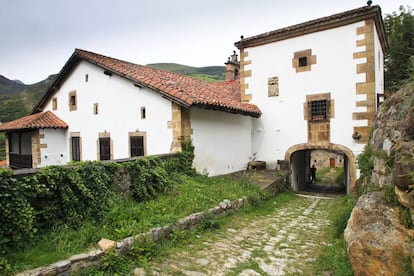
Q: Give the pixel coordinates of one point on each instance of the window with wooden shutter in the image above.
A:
(75, 148)
(104, 148)
(137, 145)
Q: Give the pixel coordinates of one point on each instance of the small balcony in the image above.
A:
(20, 161)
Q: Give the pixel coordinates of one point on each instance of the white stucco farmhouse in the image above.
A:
(101, 108)
(317, 84)
(313, 85)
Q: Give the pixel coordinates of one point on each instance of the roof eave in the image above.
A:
(30, 128)
(229, 110)
(265, 38)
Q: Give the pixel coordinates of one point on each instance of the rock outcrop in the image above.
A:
(393, 143)
(377, 242)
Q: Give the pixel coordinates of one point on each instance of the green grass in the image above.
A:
(183, 240)
(332, 257)
(126, 218)
(335, 257)
(325, 175)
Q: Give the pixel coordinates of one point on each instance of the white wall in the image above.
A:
(282, 124)
(379, 64)
(222, 141)
(120, 105)
(56, 152)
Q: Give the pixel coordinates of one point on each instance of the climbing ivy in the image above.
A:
(70, 195)
(148, 178)
(366, 165)
(16, 213)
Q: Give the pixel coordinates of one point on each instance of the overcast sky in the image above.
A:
(38, 36)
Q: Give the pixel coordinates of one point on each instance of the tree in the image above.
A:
(400, 32)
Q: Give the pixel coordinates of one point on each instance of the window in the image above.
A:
(95, 109)
(137, 145)
(72, 101)
(54, 103)
(104, 148)
(303, 61)
(143, 112)
(86, 77)
(75, 142)
(319, 110)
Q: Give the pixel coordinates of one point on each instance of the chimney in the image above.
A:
(232, 67)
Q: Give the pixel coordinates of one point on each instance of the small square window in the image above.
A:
(303, 61)
(143, 112)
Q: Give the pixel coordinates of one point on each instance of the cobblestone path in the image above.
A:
(283, 243)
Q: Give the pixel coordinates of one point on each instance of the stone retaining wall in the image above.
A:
(280, 185)
(79, 261)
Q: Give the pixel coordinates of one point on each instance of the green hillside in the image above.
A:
(17, 100)
(208, 73)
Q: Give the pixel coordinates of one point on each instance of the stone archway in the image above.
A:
(351, 160)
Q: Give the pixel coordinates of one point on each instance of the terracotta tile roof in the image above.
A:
(320, 24)
(179, 88)
(35, 121)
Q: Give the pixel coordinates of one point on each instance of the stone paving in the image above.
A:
(283, 243)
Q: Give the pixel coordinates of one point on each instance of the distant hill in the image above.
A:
(208, 73)
(18, 99)
(9, 87)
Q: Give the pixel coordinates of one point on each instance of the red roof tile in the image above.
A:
(324, 23)
(35, 121)
(179, 88)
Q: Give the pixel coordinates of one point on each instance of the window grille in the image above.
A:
(319, 110)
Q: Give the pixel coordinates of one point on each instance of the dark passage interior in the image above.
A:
(331, 176)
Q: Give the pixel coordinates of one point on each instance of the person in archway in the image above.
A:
(313, 174)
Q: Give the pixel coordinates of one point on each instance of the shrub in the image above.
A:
(148, 178)
(183, 161)
(69, 194)
(16, 214)
(366, 165)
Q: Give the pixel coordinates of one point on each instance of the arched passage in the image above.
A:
(299, 158)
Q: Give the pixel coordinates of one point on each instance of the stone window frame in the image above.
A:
(319, 97)
(137, 133)
(105, 134)
(54, 103)
(73, 100)
(303, 60)
(75, 135)
(95, 108)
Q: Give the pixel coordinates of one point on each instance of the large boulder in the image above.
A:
(377, 242)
